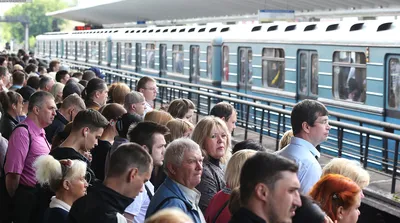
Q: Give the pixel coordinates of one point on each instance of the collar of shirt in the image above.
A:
(34, 128)
(193, 195)
(307, 144)
(57, 203)
(16, 86)
(61, 117)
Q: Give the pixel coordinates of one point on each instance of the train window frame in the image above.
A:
(128, 53)
(279, 62)
(138, 52)
(225, 63)
(245, 61)
(150, 55)
(307, 72)
(177, 49)
(209, 62)
(163, 57)
(355, 68)
(194, 61)
(390, 83)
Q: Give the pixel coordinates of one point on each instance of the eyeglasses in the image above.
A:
(323, 122)
(152, 89)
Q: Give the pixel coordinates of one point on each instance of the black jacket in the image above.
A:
(244, 215)
(57, 126)
(7, 125)
(99, 155)
(102, 204)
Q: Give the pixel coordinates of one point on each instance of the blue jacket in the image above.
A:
(169, 195)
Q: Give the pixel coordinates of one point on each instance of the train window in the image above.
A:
(195, 61)
(349, 76)
(245, 67)
(81, 49)
(209, 62)
(93, 51)
(308, 72)
(138, 55)
(225, 63)
(394, 83)
(66, 50)
(177, 59)
(128, 54)
(100, 52)
(314, 73)
(273, 68)
(150, 57)
(163, 57)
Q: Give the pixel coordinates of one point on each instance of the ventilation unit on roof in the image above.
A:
(144, 31)
(158, 30)
(165, 30)
(356, 26)
(191, 30)
(226, 29)
(256, 28)
(115, 31)
(173, 30)
(127, 31)
(310, 27)
(202, 30)
(272, 28)
(150, 31)
(384, 26)
(182, 30)
(332, 27)
(138, 31)
(213, 29)
(290, 28)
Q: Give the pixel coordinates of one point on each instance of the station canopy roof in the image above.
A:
(123, 11)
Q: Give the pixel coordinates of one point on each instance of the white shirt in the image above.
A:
(147, 108)
(57, 203)
(139, 206)
(193, 195)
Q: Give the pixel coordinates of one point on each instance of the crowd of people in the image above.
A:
(73, 149)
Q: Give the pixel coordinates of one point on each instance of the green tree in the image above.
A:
(38, 21)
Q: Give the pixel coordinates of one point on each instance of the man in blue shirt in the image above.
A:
(310, 127)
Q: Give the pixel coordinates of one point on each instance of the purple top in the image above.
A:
(18, 160)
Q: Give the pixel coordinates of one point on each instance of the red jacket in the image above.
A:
(214, 207)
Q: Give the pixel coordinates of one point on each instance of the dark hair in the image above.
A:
(93, 85)
(30, 68)
(77, 75)
(141, 84)
(306, 111)
(61, 136)
(89, 118)
(234, 201)
(71, 88)
(53, 64)
(271, 165)
(113, 111)
(2, 59)
(44, 80)
(123, 124)
(18, 77)
(61, 74)
(33, 61)
(83, 83)
(41, 68)
(308, 212)
(143, 132)
(7, 99)
(248, 144)
(38, 98)
(129, 155)
(179, 107)
(88, 75)
(222, 110)
(33, 82)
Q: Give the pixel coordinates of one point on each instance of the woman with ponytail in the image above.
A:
(12, 103)
(66, 178)
(95, 94)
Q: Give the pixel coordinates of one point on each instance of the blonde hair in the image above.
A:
(57, 87)
(203, 130)
(119, 92)
(177, 128)
(169, 215)
(285, 140)
(50, 171)
(235, 164)
(347, 168)
(159, 117)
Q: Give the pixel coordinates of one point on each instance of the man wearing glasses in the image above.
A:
(148, 87)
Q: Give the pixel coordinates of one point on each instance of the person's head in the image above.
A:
(71, 105)
(12, 103)
(3, 61)
(72, 88)
(54, 66)
(169, 215)
(119, 93)
(31, 68)
(131, 166)
(339, 197)
(234, 167)
(148, 87)
(285, 140)
(150, 135)
(348, 168)
(78, 75)
(226, 112)
(248, 144)
(46, 83)
(62, 76)
(88, 75)
(18, 78)
(33, 81)
(42, 70)
(65, 177)
(184, 162)
(309, 121)
(57, 91)
(61, 136)
(182, 108)
(213, 137)
(159, 117)
(308, 212)
(96, 91)
(273, 191)
(5, 76)
(83, 83)
(26, 93)
(42, 108)
(112, 112)
(88, 126)
(135, 103)
(123, 124)
(178, 128)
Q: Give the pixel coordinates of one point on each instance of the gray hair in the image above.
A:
(176, 150)
(38, 98)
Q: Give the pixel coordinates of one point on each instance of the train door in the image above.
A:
(245, 69)
(86, 51)
(138, 56)
(194, 64)
(62, 48)
(100, 51)
(307, 74)
(76, 50)
(119, 54)
(163, 60)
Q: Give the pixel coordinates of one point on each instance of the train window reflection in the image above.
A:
(177, 59)
(128, 54)
(314, 74)
(195, 61)
(394, 83)
(209, 62)
(349, 76)
(225, 63)
(150, 57)
(163, 57)
(273, 68)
